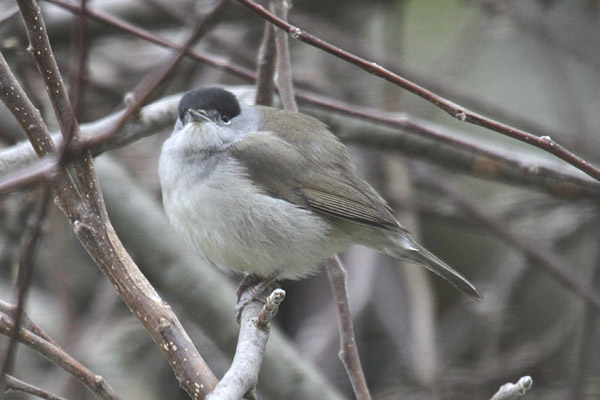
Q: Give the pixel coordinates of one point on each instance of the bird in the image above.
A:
(273, 193)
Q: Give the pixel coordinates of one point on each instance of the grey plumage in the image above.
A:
(263, 190)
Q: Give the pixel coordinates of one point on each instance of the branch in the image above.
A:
(41, 50)
(17, 102)
(79, 61)
(265, 64)
(242, 376)
(348, 350)
(460, 113)
(90, 223)
(283, 65)
(550, 263)
(152, 38)
(442, 146)
(138, 216)
(588, 334)
(25, 274)
(26, 322)
(485, 163)
(512, 391)
(14, 384)
(95, 383)
(417, 138)
(153, 80)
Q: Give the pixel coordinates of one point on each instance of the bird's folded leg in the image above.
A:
(255, 288)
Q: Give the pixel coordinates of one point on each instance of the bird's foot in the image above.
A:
(253, 288)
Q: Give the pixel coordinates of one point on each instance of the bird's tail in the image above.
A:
(407, 249)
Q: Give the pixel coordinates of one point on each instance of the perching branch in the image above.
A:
(460, 113)
(242, 376)
(284, 372)
(512, 391)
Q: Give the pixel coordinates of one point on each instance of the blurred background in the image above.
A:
(534, 64)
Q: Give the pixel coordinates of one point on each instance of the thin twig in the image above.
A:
(152, 81)
(265, 68)
(128, 27)
(270, 309)
(283, 74)
(16, 385)
(348, 350)
(26, 322)
(513, 167)
(482, 162)
(546, 260)
(95, 383)
(458, 112)
(588, 335)
(26, 265)
(42, 169)
(79, 63)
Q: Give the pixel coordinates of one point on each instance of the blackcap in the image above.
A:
(273, 193)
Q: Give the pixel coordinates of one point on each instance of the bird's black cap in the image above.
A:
(209, 99)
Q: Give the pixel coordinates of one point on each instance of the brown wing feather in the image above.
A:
(320, 177)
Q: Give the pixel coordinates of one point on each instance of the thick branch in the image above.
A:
(242, 376)
(17, 102)
(41, 50)
(95, 232)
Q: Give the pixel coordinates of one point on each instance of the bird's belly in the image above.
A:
(238, 226)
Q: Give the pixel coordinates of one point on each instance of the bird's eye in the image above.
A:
(225, 120)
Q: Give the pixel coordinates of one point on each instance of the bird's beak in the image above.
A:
(197, 116)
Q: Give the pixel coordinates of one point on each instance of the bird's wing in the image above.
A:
(312, 178)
